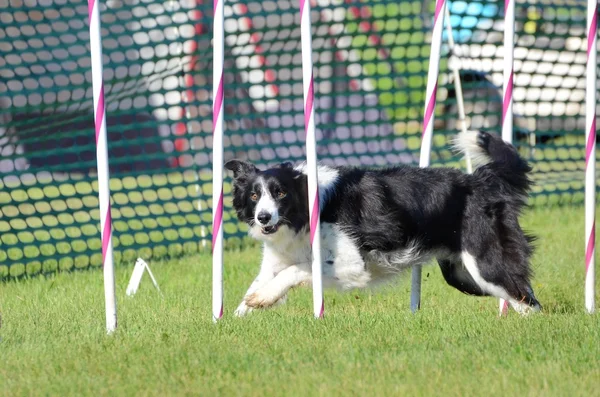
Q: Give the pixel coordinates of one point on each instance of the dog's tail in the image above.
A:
(501, 158)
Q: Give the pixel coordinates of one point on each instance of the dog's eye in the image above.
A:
(281, 194)
(254, 197)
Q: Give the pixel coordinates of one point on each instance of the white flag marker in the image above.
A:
(136, 277)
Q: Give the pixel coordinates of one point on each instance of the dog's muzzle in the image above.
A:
(270, 229)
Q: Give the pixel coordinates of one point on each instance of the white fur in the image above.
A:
(466, 143)
(327, 177)
(343, 265)
(287, 263)
(470, 264)
(396, 261)
(274, 290)
(266, 203)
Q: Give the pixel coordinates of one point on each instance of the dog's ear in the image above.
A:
(286, 165)
(240, 168)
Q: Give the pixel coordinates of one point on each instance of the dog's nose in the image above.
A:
(263, 217)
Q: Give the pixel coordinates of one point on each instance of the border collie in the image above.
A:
(377, 223)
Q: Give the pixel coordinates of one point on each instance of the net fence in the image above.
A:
(370, 60)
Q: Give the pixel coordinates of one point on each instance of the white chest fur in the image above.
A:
(343, 264)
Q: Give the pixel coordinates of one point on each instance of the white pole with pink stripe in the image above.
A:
(507, 100)
(311, 157)
(428, 120)
(217, 198)
(590, 156)
(102, 164)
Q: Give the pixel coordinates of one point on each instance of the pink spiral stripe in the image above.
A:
(91, 4)
(218, 221)
(506, 3)
(302, 7)
(590, 142)
(430, 108)
(438, 9)
(99, 113)
(322, 309)
(589, 250)
(309, 104)
(218, 103)
(508, 96)
(106, 234)
(314, 217)
(592, 33)
(308, 108)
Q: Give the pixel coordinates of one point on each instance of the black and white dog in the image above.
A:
(376, 223)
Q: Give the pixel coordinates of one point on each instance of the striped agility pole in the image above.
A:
(428, 119)
(311, 157)
(217, 194)
(590, 156)
(507, 101)
(102, 164)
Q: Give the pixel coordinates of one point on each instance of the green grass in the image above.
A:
(53, 339)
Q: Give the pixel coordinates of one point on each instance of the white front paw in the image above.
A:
(261, 299)
(242, 310)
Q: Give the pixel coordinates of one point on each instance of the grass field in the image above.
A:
(53, 339)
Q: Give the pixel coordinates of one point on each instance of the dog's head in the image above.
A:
(269, 201)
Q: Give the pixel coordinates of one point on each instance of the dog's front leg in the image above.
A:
(274, 290)
(270, 263)
(264, 276)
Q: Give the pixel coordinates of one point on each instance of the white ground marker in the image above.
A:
(136, 277)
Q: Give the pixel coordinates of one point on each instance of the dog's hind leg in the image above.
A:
(501, 284)
(457, 276)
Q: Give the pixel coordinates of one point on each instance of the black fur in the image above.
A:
(441, 209)
(293, 208)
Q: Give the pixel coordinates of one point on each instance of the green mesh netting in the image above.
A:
(370, 62)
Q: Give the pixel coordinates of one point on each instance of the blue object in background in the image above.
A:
(465, 17)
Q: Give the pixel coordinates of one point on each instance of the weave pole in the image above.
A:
(507, 98)
(102, 166)
(590, 157)
(217, 197)
(311, 158)
(428, 119)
